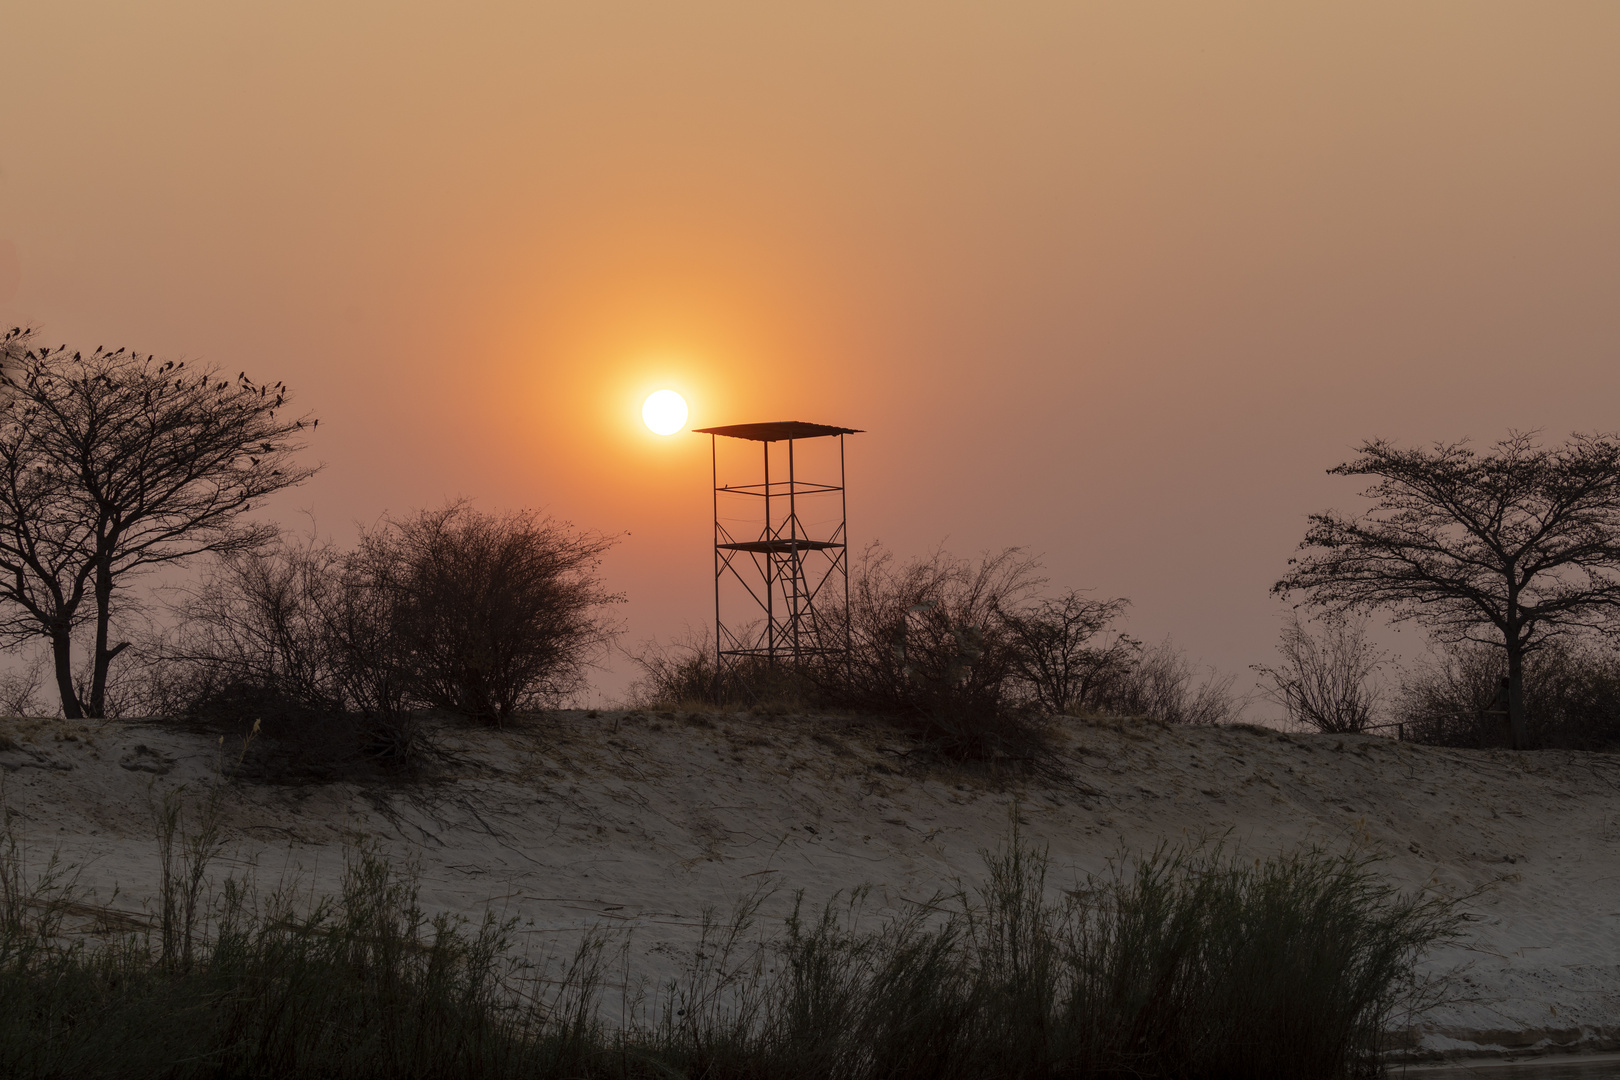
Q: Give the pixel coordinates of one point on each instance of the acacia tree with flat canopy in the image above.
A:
(1512, 547)
(114, 463)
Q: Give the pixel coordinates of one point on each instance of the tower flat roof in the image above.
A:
(777, 430)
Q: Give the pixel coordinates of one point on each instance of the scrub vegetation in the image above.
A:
(1330, 678)
(474, 614)
(972, 656)
(113, 464)
(119, 464)
(1571, 696)
(1180, 963)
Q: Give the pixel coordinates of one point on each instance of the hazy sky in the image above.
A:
(1115, 282)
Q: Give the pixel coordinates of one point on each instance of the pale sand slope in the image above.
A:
(643, 821)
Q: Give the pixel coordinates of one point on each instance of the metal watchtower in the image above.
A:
(781, 574)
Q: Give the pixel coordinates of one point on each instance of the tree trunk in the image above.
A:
(62, 653)
(1515, 659)
(103, 657)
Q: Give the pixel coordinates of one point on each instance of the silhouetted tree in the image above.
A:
(1511, 547)
(114, 463)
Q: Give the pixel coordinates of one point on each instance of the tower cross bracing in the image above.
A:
(788, 596)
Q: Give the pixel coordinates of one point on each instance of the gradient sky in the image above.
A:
(1115, 282)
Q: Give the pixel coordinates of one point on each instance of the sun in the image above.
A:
(664, 412)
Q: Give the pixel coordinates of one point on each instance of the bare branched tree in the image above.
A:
(1325, 679)
(1512, 547)
(114, 463)
(1056, 654)
(13, 344)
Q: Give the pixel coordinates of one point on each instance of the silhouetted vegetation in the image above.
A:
(928, 646)
(112, 463)
(1164, 685)
(1508, 548)
(1571, 696)
(1325, 679)
(20, 690)
(1064, 655)
(683, 674)
(298, 635)
(977, 656)
(1182, 963)
(966, 654)
(480, 615)
(498, 613)
(928, 649)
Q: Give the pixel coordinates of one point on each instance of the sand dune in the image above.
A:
(640, 821)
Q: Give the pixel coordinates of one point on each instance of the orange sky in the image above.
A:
(1116, 282)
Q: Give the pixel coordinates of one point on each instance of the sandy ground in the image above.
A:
(641, 821)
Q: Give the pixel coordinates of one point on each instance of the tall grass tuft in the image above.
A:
(1182, 963)
(1185, 963)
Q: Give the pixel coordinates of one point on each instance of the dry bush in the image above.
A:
(1325, 679)
(255, 630)
(683, 673)
(477, 614)
(966, 653)
(1573, 696)
(20, 689)
(1164, 685)
(1571, 693)
(968, 648)
(675, 673)
(1443, 698)
(928, 644)
(499, 612)
(295, 634)
(932, 626)
(1061, 657)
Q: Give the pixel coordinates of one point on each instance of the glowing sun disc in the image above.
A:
(664, 412)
